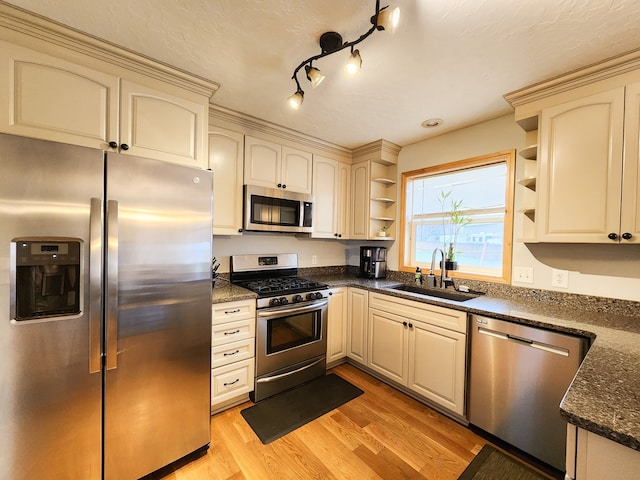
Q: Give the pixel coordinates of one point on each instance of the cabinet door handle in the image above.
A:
(124, 146)
(404, 323)
(229, 312)
(279, 185)
(627, 236)
(231, 383)
(232, 333)
(284, 186)
(612, 236)
(113, 144)
(232, 353)
(410, 325)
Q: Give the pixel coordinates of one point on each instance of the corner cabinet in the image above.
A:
(374, 192)
(226, 158)
(68, 97)
(420, 346)
(232, 353)
(331, 198)
(272, 165)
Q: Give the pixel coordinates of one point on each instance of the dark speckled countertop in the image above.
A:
(604, 397)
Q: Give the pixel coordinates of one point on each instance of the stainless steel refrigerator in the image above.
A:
(105, 312)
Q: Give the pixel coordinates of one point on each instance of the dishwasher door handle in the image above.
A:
(525, 342)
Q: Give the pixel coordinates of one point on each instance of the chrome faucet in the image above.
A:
(444, 279)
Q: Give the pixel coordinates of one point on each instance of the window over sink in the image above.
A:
(464, 208)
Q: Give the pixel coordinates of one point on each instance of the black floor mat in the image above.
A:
(278, 415)
(492, 464)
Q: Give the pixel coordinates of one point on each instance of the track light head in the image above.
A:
(387, 19)
(296, 99)
(354, 63)
(314, 75)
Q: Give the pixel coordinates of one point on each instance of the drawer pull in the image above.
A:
(232, 353)
(229, 312)
(232, 333)
(231, 383)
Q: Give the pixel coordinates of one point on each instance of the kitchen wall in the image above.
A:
(601, 270)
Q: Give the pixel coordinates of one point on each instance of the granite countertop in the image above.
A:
(604, 396)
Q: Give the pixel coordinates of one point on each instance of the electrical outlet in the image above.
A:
(314, 259)
(559, 278)
(523, 274)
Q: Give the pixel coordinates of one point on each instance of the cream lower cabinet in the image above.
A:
(337, 325)
(592, 457)
(226, 158)
(51, 98)
(357, 325)
(331, 186)
(232, 353)
(420, 346)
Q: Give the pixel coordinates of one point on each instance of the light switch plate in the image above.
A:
(559, 278)
(523, 274)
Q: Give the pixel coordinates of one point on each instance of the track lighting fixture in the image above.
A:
(385, 18)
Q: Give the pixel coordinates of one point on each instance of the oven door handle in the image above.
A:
(282, 312)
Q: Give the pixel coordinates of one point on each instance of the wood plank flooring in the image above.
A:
(382, 434)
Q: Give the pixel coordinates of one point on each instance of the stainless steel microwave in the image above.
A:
(277, 210)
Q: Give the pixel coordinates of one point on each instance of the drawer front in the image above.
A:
(232, 352)
(233, 311)
(442, 317)
(232, 380)
(233, 331)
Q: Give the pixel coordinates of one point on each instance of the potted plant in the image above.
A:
(451, 227)
(383, 231)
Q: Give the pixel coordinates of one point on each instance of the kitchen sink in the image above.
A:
(446, 294)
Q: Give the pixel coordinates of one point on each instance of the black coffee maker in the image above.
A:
(373, 262)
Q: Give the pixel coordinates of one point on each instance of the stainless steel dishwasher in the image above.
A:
(518, 376)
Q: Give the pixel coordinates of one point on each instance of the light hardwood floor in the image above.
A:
(382, 434)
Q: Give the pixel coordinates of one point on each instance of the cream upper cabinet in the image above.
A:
(271, 165)
(359, 201)
(156, 124)
(52, 99)
(588, 169)
(43, 95)
(226, 157)
(331, 198)
(337, 325)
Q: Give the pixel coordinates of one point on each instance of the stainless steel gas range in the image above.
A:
(291, 331)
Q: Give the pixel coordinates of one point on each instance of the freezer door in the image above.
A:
(158, 315)
(50, 402)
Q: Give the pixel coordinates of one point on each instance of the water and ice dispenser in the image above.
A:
(45, 279)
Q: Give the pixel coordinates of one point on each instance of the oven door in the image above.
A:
(290, 334)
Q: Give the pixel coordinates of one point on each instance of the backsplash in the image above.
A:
(570, 300)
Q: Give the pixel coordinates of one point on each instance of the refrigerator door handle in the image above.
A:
(111, 341)
(95, 281)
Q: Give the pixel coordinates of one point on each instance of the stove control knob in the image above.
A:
(310, 296)
(316, 295)
(297, 298)
(274, 302)
(283, 300)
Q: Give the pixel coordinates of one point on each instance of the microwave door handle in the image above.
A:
(111, 314)
(95, 283)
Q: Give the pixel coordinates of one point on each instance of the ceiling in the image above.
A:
(452, 59)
